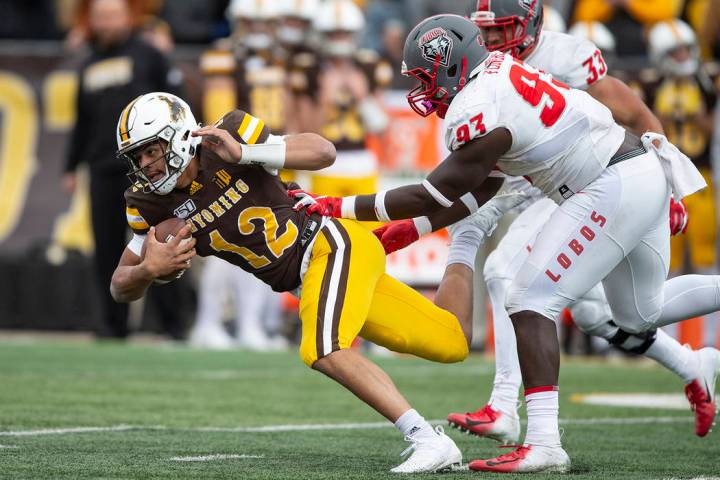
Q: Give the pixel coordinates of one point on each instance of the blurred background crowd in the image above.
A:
(68, 67)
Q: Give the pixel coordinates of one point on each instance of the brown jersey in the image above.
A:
(681, 105)
(343, 123)
(240, 213)
(259, 79)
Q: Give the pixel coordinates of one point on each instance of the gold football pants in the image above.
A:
(346, 293)
(346, 186)
(338, 186)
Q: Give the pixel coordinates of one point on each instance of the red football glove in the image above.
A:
(679, 218)
(325, 206)
(397, 235)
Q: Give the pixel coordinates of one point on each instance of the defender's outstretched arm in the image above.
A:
(463, 171)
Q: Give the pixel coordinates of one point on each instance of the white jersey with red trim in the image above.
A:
(574, 61)
(562, 139)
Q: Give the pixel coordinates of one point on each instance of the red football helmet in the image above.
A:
(510, 26)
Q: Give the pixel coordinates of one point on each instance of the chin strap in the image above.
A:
(443, 107)
(463, 72)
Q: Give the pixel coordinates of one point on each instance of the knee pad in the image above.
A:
(633, 343)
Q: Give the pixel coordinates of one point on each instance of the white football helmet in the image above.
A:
(252, 10)
(553, 21)
(597, 33)
(339, 16)
(257, 34)
(664, 38)
(152, 117)
(302, 9)
(296, 18)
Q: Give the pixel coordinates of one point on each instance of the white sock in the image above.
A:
(412, 424)
(466, 240)
(504, 397)
(542, 412)
(506, 386)
(678, 359)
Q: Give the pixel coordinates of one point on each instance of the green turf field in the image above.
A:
(160, 404)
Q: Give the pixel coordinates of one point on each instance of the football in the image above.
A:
(164, 232)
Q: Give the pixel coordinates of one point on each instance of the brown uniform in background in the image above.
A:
(684, 106)
(345, 87)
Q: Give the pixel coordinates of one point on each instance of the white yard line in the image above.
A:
(297, 428)
(625, 421)
(9, 447)
(218, 456)
(62, 431)
(315, 426)
(694, 478)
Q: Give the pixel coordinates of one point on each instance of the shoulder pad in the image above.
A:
(712, 68)
(383, 73)
(217, 62)
(366, 56)
(305, 60)
(648, 75)
(244, 127)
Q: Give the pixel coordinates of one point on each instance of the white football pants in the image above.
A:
(685, 297)
(616, 230)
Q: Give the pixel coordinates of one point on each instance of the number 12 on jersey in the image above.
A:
(277, 244)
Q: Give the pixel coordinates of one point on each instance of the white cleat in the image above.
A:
(259, 341)
(210, 337)
(526, 459)
(430, 454)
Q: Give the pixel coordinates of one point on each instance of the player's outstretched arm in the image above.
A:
(304, 151)
(398, 235)
(464, 170)
(308, 151)
(134, 274)
(627, 108)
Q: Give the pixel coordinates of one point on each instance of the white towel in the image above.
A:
(681, 173)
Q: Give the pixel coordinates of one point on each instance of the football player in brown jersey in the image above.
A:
(245, 71)
(223, 180)
(347, 102)
(683, 94)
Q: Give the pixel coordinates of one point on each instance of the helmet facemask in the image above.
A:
(340, 43)
(428, 97)
(514, 38)
(294, 31)
(681, 61)
(174, 165)
(440, 53)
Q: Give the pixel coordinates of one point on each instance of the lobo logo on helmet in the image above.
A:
(436, 42)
